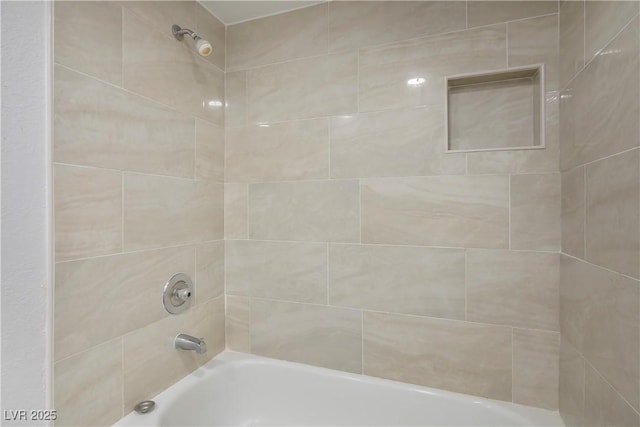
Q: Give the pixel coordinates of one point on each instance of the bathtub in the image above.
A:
(236, 389)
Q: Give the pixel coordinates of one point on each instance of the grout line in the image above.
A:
(122, 373)
(599, 159)
(466, 14)
(466, 285)
(509, 196)
(122, 212)
(360, 212)
(606, 381)
(362, 342)
(635, 279)
(506, 40)
(132, 172)
(584, 211)
(327, 277)
(512, 363)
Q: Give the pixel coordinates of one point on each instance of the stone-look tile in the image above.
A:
(603, 20)
(600, 316)
(384, 70)
(151, 363)
(535, 41)
(161, 211)
(392, 143)
(316, 335)
(491, 12)
(410, 280)
(277, 270)
(236, 211)
(613, 213)
(157, 66)
(278, 38)
(99, 51)
(88, 212)
(238, 319)
(354, 24)
(524, 161)
(162, 15)
(90, 307)
(535, 212)
(210, 28)
(235, 99)
(278, 152)
(513, 288)
(209, 278)
(571, 385)
(589, 131)
(88, 386)
(209, 151)
(571, 43)
(464, 211)
(321, 211)
(573, 212)
(99, 125)
(535, 368)
(603, 406)
(306, 88)
(452, 355)
(507, 109)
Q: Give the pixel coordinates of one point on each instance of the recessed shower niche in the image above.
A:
(498, 110)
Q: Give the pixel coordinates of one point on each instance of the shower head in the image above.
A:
(203, 47)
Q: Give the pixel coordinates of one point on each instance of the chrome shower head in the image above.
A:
(203, 47)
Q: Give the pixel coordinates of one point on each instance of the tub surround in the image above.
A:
(139, 170)
(600, 165)
(352, 240)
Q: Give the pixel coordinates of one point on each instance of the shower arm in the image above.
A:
(179, 33)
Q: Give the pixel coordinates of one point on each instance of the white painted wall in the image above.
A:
(25, 266)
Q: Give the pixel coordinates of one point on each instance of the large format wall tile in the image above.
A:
(600, 316)
(97, 124)
(490, 12)
(411, 280)
(278, 38)
(613, 213)
(603, 406)
(278, 152)
(452, 355)
(163, 14)
(209, 278)
(571, 43)
(513, 288)
(535, 212)
(589, 131)
(151, 363)
(535, 368)
(573, 212)
(157, 66)
(98, 51)
(306, 88)
(88, 386)
(524, 161)
(603, 20)
(237, 321)
(88, 212)
(326, 211)
(571, 385)
(277, 270)
(408, 142)
(235, 113)
(90, 307)
(209, 151)
(465, 211)
(161, 211)
(317, 335)
(354, 24)
(384, 70)
(535, 41)
(236, 211)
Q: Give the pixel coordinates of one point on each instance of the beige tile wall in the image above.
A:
(600, 168)
(353, 240)
(139, 173)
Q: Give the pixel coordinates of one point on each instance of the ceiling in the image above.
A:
(235, 11)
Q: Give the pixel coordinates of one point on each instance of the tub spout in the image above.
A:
(187, 342)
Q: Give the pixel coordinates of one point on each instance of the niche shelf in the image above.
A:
(496, 111)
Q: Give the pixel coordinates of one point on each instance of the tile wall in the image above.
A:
(138, 152)
(600, 164)
(352, 241)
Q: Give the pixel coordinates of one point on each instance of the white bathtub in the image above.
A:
(236, 389)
